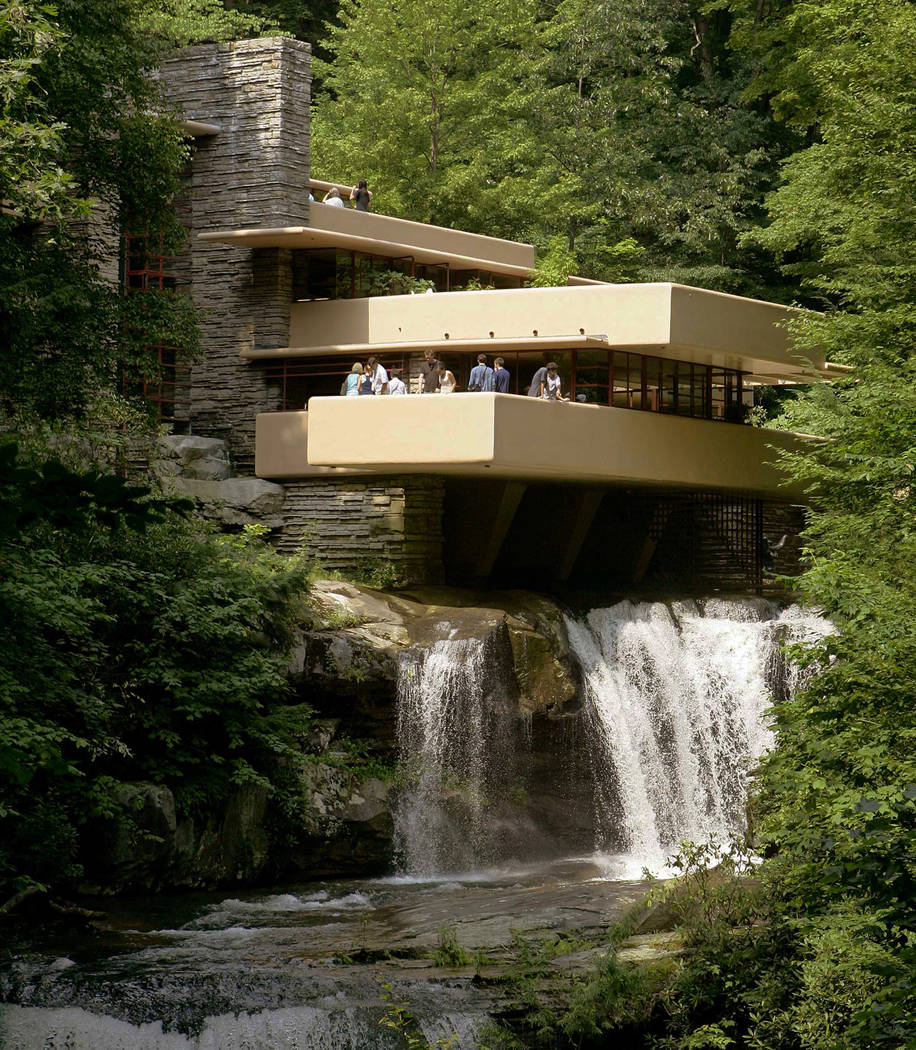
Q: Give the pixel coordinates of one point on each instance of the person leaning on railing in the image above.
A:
(361, 196)
(545, 383)
(333, 198)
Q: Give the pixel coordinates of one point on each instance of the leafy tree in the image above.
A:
(31, 179)
(433, 101)
(138, 646)
(304, 21)
(137, 642)
(176, 23)
(606, 124)
(836, 811)
(642, 122)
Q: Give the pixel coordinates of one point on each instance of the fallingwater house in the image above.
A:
(647, 476)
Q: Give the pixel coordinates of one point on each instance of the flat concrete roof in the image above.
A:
(512, 437)
(332, 227)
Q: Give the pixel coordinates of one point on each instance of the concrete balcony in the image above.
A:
(503, 436)
(663, 320)
(387, 236)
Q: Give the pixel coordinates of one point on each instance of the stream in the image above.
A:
(503, 829)
(297, 967)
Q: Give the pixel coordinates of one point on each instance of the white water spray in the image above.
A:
(453, 734)
(676, 701)
(672, 724)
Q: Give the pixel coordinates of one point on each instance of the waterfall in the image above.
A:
(675, 703)
(457, 748)
(671, 724)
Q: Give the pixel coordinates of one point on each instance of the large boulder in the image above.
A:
(233, 501)
(361, 634)
(141, 845)
(189, 456)
(132, 847)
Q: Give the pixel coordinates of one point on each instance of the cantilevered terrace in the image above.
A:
(653, 370)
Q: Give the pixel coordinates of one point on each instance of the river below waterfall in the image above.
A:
(506, 826)
(297, 967)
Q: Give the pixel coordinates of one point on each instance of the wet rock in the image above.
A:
(144, 846)
(350, 828)
(545, 680)
(366, 630)
(132, 847)
(229, 846)
(370, 804)
(650, 948)
(345, 664)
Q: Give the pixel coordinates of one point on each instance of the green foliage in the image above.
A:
(449, 951)
(399, 1018)
(381, 574)
(393, 282)
(833, 962)
(139, 646)
(78, 138)
(31, 178)
(425, 97)
(306, 22)
(622, 132)
(177, 23)
(554, 267)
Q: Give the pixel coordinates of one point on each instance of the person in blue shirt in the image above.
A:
(500, 377)
(481, 378)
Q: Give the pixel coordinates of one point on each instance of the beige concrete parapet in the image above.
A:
(665, 320)
(512, 437)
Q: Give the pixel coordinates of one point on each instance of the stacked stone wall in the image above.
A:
(354, 525)
(253, 173)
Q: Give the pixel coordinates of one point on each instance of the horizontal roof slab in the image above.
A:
(332, 227)
(505, 436)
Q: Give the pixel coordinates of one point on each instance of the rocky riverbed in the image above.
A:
(316, 965)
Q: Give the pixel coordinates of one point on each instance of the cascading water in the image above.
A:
(671, 724)
(458, 747)
(676, 700)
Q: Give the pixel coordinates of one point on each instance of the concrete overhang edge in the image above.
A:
(455, 345)
(315, 237)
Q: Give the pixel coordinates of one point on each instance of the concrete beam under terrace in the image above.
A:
(521, 439)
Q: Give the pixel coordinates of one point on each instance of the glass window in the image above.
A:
(592, 376)
(315, 274)
(636, 369)
(700, 384)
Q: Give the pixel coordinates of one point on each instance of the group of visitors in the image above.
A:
(372, 378)
(361, 196)
(435, 378)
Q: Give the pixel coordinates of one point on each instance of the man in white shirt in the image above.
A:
(396, 387)
(379, 376)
